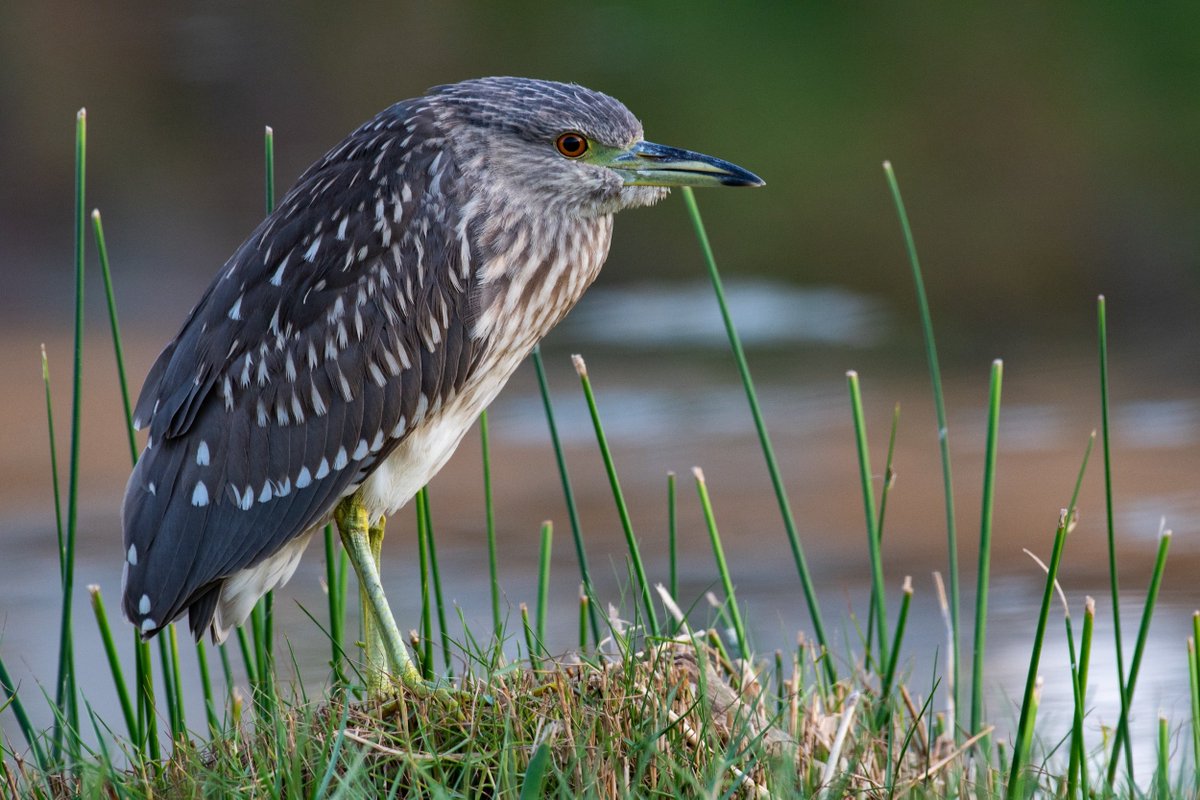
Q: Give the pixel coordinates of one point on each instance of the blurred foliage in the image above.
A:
(1047, 151)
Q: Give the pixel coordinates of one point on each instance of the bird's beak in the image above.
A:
(649, 164)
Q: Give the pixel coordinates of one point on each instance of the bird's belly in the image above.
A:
(427, 448)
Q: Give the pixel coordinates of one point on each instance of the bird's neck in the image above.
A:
(532, 272)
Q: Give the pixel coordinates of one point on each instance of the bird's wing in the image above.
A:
(316, 350)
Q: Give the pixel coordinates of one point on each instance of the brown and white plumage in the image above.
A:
(353, 338)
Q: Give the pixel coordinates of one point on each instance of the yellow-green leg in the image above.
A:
(384, 648)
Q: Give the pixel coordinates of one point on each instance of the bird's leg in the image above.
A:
(374, 649)
(364, 550)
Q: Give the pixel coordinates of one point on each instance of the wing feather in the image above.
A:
(288, 382)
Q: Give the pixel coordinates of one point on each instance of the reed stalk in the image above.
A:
(1139, 650)
(543, 595)
(1024, 733)
(1077, 773)
(939, 400)
(114, 661)
(439, 605)
(785, 508)
(490, 516)
(568, 492)
(64, 684)
(985, 552)
(635, 555)
(735, 614)
(672, 537)
(878, 606)
(426, 638)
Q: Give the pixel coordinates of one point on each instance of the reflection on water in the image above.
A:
(670, 413)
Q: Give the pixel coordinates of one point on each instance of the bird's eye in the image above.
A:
(571, 145)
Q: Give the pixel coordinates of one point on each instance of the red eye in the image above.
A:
(571, 145)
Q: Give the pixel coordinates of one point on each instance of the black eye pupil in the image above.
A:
(572, 145)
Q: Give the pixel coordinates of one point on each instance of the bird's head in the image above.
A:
(557, 145)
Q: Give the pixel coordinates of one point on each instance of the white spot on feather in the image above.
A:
(311, 253)
(361, 451)
(265, 494)
(200, 495)
(235, 312)
(277, 278)
(148, 625)
(144, 605)
(202, 454)
(341, 459)
(304, 478)
(131, 556)
(322, 469)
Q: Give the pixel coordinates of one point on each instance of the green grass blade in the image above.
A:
(672, 536)
(58, 522)
(114, 661)
(337, 614)
(935, 377)
(544, 578)
(635, 555)
(868, 492)
(1024, 735)
(1162, 777)
(985, 552)
(535, 773)
(64, 684)
(114, 324)
(439, 605)
(1194, 672)
(426, 639)
(889, 675)
(731, 603)
(181, 730)
(568, 492)
(1139, 650)
(1110, 519)
(889, 480)
(490, 512)
(13, 700)
(785, 508)
(1077, 766)
(210, 705)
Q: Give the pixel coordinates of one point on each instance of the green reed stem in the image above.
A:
(868, 493)
(1077, 766)
(568, 492)
(58, 522)
(178, 683)
(622, 509)
(118, 350)
(247, 656)
(935, 377)
(13, 700)
(114, 661)
(583, 619)
(1139, 650)
(985, 552)
(210, 706)
(531, 642)
(144, 684)
(337, 615)
(714, 536)
(64, 683)
(739, 355)
(490, 511)
(889, 675)
(439, 605)
(1110, 519)
(889, 479)
(1029, 704)
(672, 537)
(148, 706)
(426, 641)
(1162, 780)
(544, 578)
(1194, 672)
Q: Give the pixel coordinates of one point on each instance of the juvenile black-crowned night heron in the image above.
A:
(339, 356)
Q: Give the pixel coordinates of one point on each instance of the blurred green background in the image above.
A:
(1047, 151)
